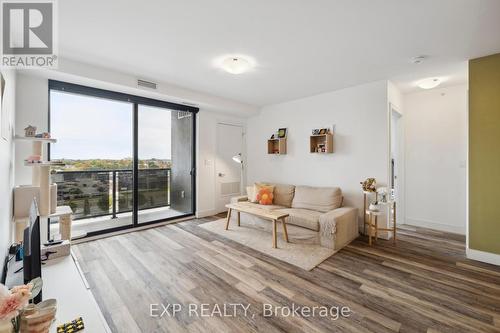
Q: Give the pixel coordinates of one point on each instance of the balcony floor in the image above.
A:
(84, 226)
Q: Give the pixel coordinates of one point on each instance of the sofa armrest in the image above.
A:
(239, 199)
(341, 223)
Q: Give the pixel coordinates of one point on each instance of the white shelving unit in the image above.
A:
(34, 139)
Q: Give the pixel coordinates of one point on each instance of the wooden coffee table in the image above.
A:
(262, 213)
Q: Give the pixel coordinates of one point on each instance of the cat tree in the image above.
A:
(40, 177)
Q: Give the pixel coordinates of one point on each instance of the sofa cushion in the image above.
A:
(251, 195)
(304, 218)
(322, 199)
(256, 205)
(283, 194)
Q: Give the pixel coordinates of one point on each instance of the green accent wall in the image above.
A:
(484, 154)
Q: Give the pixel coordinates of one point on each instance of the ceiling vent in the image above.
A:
(183, 114)
(146, 84)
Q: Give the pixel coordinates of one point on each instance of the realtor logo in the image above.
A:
(28, 34)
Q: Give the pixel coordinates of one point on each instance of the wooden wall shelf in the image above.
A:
(320, 141)
(276, 146)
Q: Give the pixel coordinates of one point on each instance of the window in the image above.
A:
(128, 160)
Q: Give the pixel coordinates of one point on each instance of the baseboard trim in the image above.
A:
(206, 213)
(435, 225)
(129, 230)
(487, 257)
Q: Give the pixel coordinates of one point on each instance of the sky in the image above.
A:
(94, 128)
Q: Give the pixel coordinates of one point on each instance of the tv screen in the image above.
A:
(32, 265)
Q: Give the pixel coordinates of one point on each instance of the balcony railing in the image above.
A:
(110, 192)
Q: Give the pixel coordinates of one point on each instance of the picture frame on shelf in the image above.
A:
(315, 131)
(323, 131)
(282, 132)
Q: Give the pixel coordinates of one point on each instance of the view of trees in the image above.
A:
(103, 164)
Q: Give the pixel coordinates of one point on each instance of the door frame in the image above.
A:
(135, 101)
(243, 153)
(400, 201)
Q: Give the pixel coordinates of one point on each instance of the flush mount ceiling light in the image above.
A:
(429, 83)
(235, 64)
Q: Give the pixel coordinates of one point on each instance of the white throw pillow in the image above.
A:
(321, 199)
(251, 195)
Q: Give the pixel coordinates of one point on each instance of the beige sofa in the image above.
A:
(316, 215)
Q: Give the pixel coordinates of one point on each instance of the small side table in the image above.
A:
(372, 223)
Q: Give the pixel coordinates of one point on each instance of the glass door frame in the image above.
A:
(135, 101)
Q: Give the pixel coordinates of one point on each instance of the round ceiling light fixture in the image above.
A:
(236, 65)
(429, 83)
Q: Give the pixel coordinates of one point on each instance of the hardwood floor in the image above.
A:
(422, 284)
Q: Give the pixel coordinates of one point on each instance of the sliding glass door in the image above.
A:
(128, 160)
(165, 138)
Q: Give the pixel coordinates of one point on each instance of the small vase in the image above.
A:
(6, 326)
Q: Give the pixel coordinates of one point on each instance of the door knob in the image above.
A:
(221, 174)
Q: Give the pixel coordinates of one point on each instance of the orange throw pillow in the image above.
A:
(265, 195)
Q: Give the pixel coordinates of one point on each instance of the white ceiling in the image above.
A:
(301, 47)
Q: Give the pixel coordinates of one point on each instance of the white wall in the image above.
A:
(361, 145)
(435, 158)
(7, 166)
(31, 109)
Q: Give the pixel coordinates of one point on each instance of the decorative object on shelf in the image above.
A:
(321, 148)
(282, 133)
(38, 317)
(44, 135)
(369, 185)
(14, 308)
(30, 131)
(321, 141)
(382, 195)
(374, 206)
(276, 145)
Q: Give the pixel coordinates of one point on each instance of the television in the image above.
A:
(32, 265)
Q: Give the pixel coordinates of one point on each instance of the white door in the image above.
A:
(397, 166)
(228, 173)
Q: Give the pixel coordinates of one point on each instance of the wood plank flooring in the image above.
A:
(424, 283)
